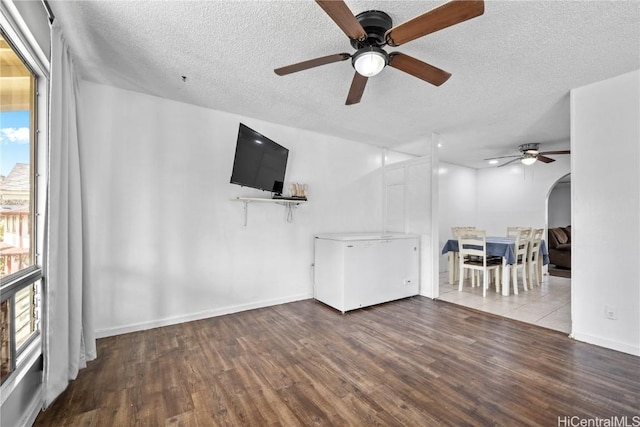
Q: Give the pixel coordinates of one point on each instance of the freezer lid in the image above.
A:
(344, 237)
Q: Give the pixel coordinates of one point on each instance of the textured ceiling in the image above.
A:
(512, 68)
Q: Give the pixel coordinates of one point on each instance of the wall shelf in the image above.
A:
(290, 204)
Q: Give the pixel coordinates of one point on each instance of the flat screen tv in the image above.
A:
(259, 162)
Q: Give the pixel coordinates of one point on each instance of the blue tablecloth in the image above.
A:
(499, 246)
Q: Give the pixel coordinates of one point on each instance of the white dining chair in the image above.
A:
(521, 251)
(472, 247)
(533, 260)
(455, 231)
(513, 231)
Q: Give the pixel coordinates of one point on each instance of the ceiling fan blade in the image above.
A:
(311, 63)
(444, 16)
(340, 13)
(502, 157)
(509, 162)
(556, 152)
(357, 88)
(545, 159)
(417, 68)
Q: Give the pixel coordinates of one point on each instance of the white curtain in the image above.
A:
(69, 338)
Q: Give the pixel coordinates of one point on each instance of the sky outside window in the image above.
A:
(14, 140)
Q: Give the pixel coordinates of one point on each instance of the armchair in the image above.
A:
(559, 239)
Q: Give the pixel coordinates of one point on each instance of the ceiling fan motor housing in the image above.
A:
(529, 148)
(376, 23)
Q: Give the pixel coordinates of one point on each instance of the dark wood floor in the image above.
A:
(414, 362)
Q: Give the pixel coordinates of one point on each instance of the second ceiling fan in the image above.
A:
(370, 31)
(529, 154)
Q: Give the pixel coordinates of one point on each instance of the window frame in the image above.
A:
(26, 46)
(18, 353)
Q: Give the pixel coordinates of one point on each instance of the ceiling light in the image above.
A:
(529, 159)
(369, 61)
(493, 162)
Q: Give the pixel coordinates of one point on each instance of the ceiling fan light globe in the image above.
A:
(370, 61)
(528, 160)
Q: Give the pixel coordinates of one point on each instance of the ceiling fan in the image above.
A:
(370, 31)
(529, 154)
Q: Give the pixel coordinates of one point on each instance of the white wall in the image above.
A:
(457, 202)
(605, 135)
(409, 208)
(560, 205)
(166, 243)
(516, 195)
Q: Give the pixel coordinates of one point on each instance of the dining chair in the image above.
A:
(455, 231)
(513, 231)
(533, 257)
(472, 252)
(521, 251)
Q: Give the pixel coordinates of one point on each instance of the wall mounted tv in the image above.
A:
(259, 162)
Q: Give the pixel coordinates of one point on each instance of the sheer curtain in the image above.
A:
(69, 339)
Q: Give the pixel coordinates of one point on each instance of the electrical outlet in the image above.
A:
(610, 312)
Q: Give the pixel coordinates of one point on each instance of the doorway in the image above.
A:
(559, 227)
(547, 305)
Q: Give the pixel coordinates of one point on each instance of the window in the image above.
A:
(19, 275)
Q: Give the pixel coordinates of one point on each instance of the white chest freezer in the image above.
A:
(363, 269)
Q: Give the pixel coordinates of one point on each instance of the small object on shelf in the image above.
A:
(298, 190)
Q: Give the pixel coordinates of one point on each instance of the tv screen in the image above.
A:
(259, 162)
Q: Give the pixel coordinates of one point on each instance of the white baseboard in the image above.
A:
(426, 294)
(606, 343)
(135, 327)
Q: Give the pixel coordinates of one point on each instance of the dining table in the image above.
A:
(503, 247)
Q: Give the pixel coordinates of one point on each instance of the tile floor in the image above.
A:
(547, 305)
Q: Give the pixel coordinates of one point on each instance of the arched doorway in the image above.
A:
(559, 227)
